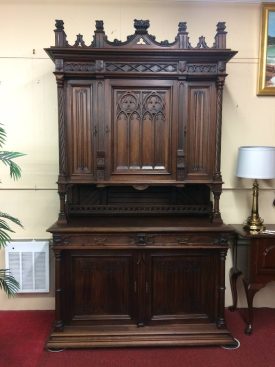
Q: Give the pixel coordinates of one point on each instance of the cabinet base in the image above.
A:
(133, 336)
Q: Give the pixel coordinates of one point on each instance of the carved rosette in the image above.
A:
(59, 65)
(221, 66)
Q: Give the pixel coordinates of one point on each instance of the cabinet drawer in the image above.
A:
(189, 240)
(91, 240)
(140, 239)
(264, 257)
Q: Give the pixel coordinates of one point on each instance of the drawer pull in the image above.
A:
(142, 239)
(100, 240)
(268, 249)
(183, 241)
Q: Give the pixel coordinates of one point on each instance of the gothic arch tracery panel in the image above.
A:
(141, 126)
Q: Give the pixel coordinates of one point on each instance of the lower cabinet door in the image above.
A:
(98, 287)
(143, 287)
(182, 286)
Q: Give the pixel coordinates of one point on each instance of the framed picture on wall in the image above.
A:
(266, 76)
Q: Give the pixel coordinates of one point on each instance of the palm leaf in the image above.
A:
(2, 136)
(8, 283)
(7, 158)
(11, 218)
(4, 225)
(5, 228)
(4, 238)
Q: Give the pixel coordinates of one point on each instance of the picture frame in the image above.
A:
(266, 73)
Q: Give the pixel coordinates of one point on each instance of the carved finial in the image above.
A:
(60, 35)
(59, 24)
(99, 25)
(79, 40)
(141, 26)
(221, 27)
(182, 27)
(220, 38)
(99, 37)
(117, 42)
(182, 36)
(201, 43)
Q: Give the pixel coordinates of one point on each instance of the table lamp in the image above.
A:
(256, 162)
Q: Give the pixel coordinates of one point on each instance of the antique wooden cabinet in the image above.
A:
(140, 245)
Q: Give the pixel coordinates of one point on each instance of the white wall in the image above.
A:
(28, 103)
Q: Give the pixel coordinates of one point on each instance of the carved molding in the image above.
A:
(79, 67)
(116, 67)
(141, 67)
(201, 68)
(59, 240)
(139, 210)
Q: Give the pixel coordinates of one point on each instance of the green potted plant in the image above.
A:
(7, 282)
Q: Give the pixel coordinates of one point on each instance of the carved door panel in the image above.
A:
(200, 121)
(141, 144)
(180, 286)
(99, 287)
(81, 129)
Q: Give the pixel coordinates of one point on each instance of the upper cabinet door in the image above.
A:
(142, 135)
(80, 129)
(200, 130)
(140, 131)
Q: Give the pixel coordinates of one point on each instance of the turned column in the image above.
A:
(58, 326)
(62, 142)
(221, 289)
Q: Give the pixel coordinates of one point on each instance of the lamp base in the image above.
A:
(254, 224)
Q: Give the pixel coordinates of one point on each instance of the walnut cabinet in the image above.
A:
(139, 243)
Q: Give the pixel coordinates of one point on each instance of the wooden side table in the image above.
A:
(254, 259)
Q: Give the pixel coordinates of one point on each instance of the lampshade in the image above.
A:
(256, 162)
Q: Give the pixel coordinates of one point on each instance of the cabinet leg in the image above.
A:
(248, 329)
(250, 292)
(58, 326)
(234, 275)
